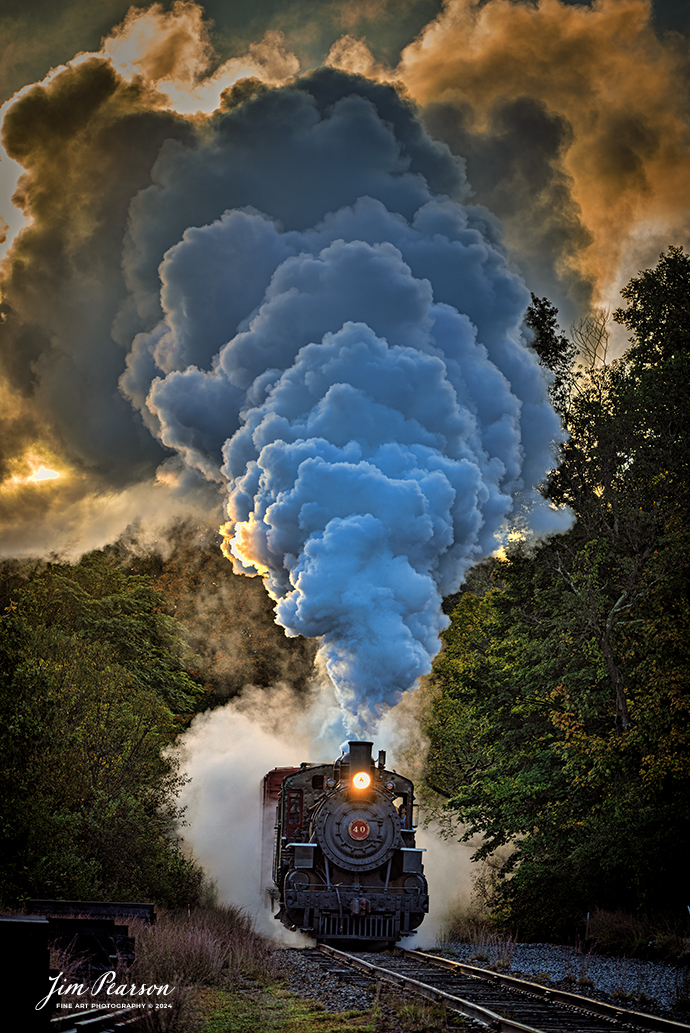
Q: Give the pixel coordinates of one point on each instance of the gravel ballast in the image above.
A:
(619, 980)
(305, 978)
(645, 986)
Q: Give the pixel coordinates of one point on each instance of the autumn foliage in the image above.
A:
(560, 725)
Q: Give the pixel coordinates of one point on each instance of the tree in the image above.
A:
(563, 706)
(556, 353)
(92, 695)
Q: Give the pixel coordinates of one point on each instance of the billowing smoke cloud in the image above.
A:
(308, 319)
(541, 101)
(341, 347)
(288, 299)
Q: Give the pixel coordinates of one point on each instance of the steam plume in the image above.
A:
(310, 322)
(353, 372)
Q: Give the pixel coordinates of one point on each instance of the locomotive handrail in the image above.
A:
(333, 892)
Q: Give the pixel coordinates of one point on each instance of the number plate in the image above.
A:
(358, 829)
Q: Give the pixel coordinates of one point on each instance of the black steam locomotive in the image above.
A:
(345, 862)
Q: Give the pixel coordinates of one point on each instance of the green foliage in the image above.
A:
(658, 311)
(560, 729)
(92, 693)
(102, 604)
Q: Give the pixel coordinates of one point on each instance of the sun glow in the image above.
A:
(41, 474)
(32, 471)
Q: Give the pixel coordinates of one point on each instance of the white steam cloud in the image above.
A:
(228, 751)
(339, 344)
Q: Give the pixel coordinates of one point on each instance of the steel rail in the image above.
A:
(468, 1008)
(565, 1002)
(611, 1011)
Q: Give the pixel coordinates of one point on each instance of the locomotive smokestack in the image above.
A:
(360, 755)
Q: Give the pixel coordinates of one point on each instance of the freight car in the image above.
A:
(345, 864)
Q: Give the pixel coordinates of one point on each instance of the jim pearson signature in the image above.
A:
(104, 982)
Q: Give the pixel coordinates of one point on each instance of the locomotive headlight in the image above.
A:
(361, 780)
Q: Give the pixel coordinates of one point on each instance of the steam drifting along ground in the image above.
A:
(228, 751)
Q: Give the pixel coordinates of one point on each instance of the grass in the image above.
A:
(227, 980)
(422, 1016)
(274, 1010)
(492, 945)
(641, 936)
(187, 952)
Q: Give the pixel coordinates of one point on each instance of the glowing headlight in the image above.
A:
(361, 780)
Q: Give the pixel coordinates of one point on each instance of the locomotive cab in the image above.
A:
(345, 863)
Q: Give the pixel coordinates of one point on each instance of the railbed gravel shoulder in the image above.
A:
(336, 993)
(645, 986)
(305, 978)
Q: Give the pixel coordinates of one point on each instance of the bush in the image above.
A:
(644, 936)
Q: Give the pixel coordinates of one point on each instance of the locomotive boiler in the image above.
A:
(345, 864)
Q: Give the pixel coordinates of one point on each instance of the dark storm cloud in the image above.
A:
(87, 142)
(514, 162)
(574, 122)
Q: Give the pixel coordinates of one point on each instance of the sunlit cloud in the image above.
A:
(30, 470)
(538, 102)
(42, 474)
(172, 50)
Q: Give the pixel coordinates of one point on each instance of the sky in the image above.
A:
(266, 265)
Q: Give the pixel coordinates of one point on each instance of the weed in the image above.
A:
(645, 1003)
(491, 945)
(424, 1015)
(274, 1010)
(414, 1014)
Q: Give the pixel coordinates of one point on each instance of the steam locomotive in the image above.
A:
(345, 864)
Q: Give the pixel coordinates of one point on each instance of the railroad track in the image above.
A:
(499, 1003)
